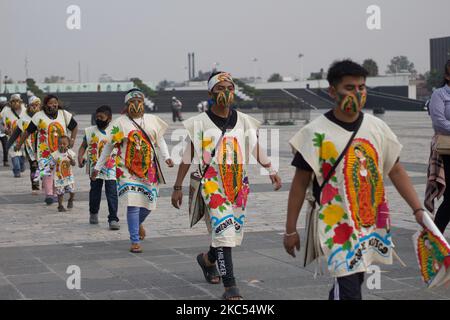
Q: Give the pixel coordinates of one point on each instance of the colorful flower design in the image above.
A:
(328, 194)
(210, 173)
(216, 200)
(210, 187)
(332, 214)
(117, 135)
(342, 233)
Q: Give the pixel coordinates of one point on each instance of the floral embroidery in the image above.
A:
(331, 210)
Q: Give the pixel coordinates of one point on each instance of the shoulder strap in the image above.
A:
(341, 156)
(213, 152)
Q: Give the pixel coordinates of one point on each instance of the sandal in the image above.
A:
(142, 232)
(231, 294)
(209, 272)
(136, 248)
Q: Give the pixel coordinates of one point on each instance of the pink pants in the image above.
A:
(47, 183)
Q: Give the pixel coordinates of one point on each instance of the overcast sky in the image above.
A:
(151, 38)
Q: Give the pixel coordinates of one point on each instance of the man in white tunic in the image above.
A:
(136, 136)
(344, 156)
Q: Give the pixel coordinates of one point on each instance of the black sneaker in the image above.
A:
(61, 209)
(114, 225)
(49, 200)
(93, 219)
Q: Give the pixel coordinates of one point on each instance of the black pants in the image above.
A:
(348, 287)
(222, 256)
(95, 197)
(443, 213)
(176, 115)
(4, 141)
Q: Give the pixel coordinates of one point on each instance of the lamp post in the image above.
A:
(300, 56)
(255, 61)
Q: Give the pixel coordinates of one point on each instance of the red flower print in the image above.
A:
(42, 138)
(42, 132)
(216, 201)
(342, 233)
(45, 154)
(241, 199)
(326, 168)
(383, 216)
(119, 173)
(210, 173)
(328, 193)
(94, 146)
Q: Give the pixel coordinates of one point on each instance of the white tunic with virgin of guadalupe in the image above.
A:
(10, 120)
(136, 173)
(225, 186)
(30, 142)
(48, 132)
(353, 213)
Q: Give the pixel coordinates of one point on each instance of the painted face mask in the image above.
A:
(352, 103)
(33, 108)
(136, 108)
(224, 98)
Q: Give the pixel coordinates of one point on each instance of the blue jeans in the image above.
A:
(135, 216)
(95, 197)
(18, 165)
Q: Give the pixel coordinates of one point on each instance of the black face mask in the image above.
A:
(102, 124)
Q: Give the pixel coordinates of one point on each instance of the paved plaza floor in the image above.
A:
(38, 244)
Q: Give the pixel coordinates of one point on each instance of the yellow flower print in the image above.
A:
(42, 124)
(211, 187)
(94, 139)
(118, 137)
(43, 147)
(333, 214)
(206, 142)
(328, 151)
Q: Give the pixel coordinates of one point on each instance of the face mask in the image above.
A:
(102, 124)
(51, 110)
(32, 109)
(224, 98)
(63, 149)
(136, 109)
(352, 103)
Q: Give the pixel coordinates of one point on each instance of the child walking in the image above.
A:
(94, 140)
(61, 162)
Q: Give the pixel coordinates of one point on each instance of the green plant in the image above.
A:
(148, 92)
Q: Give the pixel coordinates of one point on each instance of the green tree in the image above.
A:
(401, 64)
(276, 77)
(148, 92)
(433, 79)
(31, 86)
(248, 90)
(371, 66)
